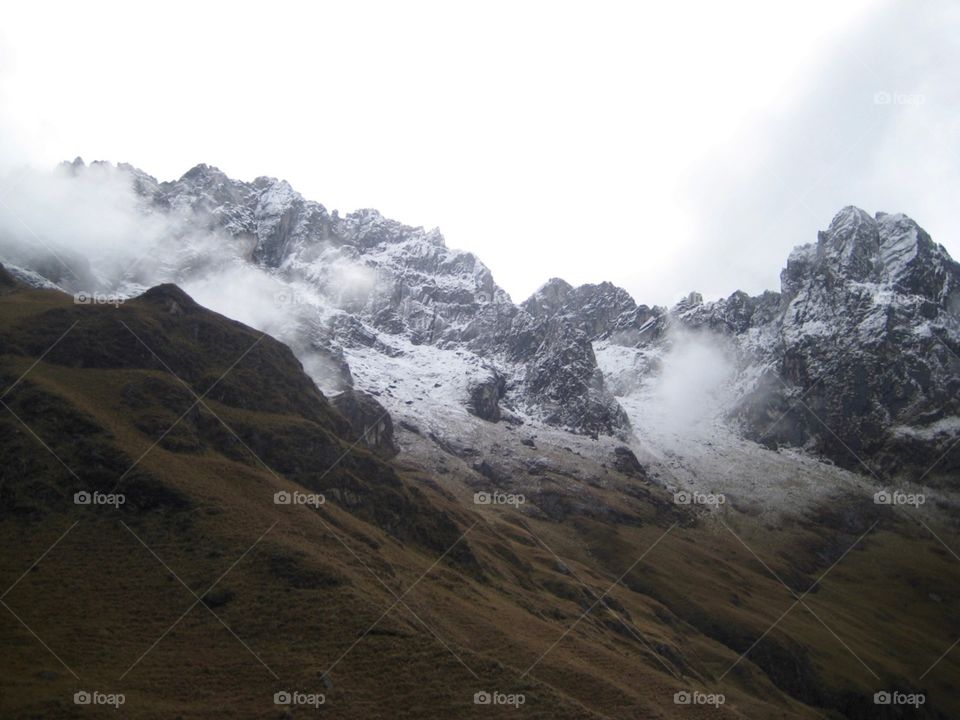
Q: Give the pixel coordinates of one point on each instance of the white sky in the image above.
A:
(662, 146)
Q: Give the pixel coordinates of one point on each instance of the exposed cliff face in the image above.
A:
(869, 330)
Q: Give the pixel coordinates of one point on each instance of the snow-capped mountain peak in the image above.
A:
(864, 330)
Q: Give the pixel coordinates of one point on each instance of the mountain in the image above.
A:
(857, 358)
(870, 336)
(607, 502)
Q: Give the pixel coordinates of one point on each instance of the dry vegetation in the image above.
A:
(280, 595)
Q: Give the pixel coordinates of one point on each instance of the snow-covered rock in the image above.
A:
(363, 283)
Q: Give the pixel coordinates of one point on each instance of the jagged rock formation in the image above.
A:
(868, 335)
(394, 284)
(856, 357)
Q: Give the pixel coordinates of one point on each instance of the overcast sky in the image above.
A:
(663, 146)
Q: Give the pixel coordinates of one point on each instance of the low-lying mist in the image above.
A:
(87, 229)
(691, 388)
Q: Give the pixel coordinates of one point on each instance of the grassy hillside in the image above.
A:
(200, 597)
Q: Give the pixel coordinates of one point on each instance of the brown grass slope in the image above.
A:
(200, 597)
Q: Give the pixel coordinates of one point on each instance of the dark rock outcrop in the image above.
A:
(370, 423)
(484, 400)
(625, 461)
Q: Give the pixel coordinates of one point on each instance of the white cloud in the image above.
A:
(876, 127)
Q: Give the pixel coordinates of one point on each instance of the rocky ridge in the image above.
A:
(856, 358)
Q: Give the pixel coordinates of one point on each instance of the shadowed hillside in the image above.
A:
(382, 585)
